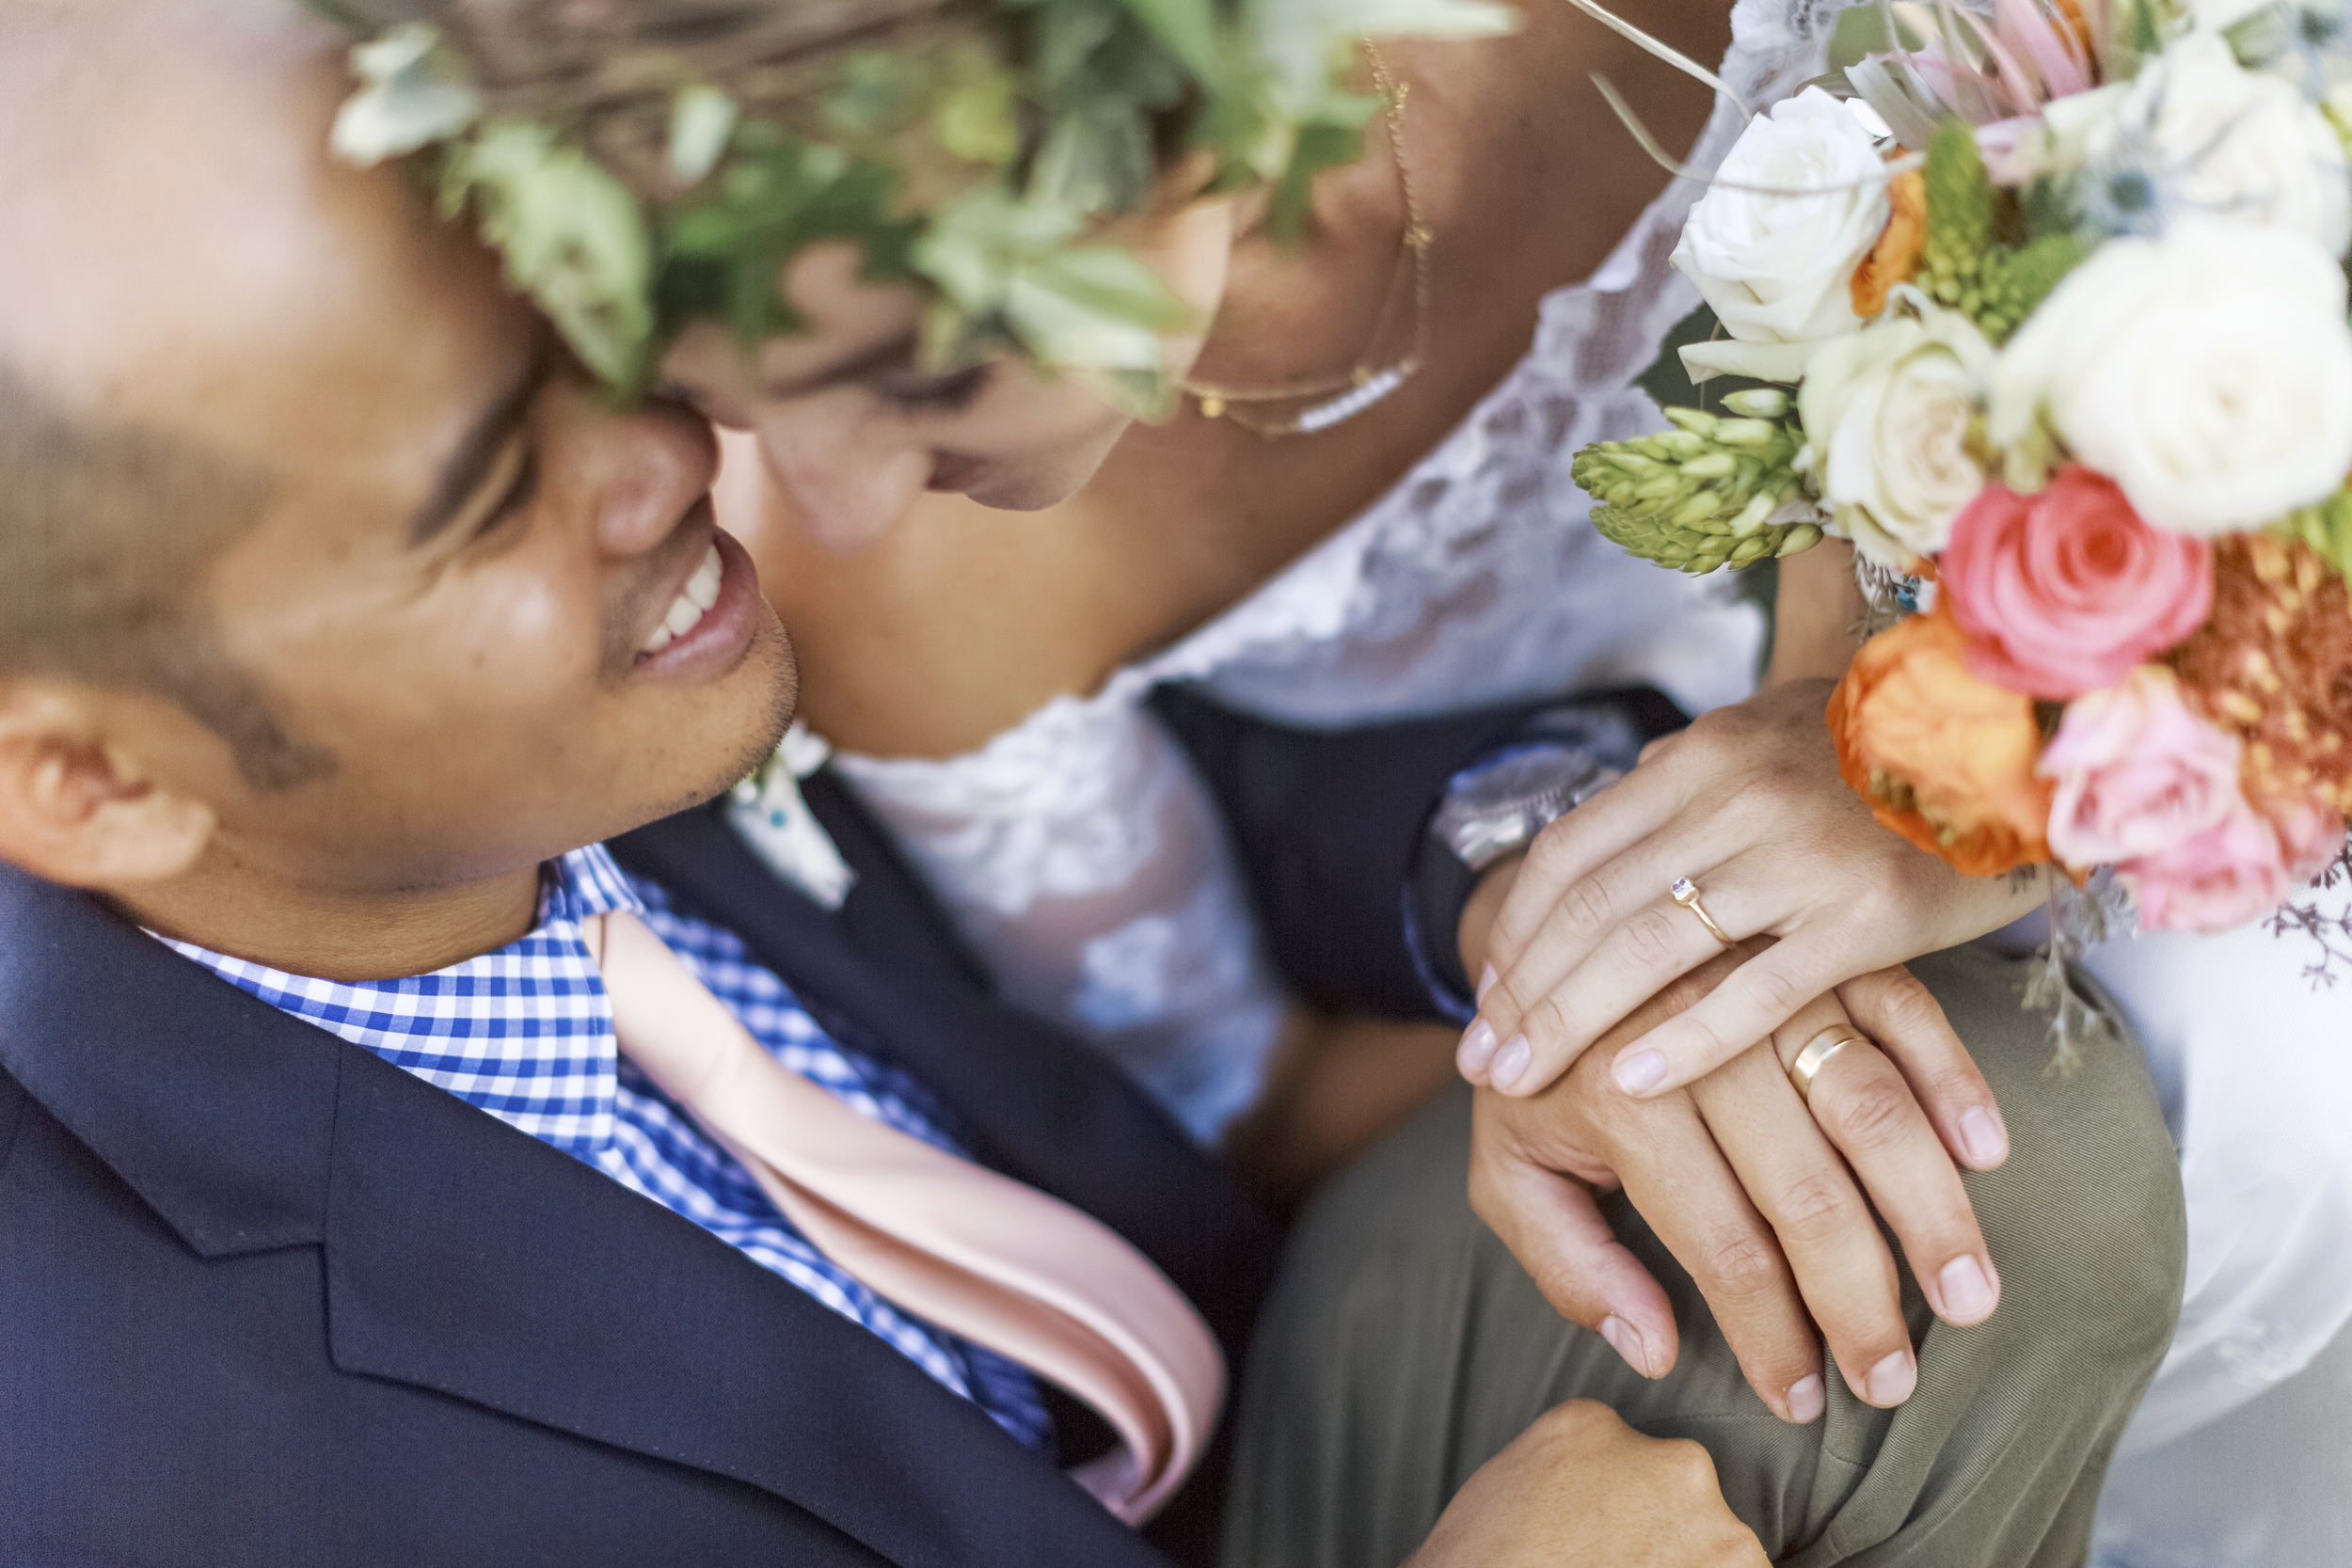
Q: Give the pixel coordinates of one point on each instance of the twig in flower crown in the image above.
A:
(2079, 919)
(2332, 932)
(1681, 171)
(1665, 52)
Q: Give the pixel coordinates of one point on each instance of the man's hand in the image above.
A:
(1580, 1486)
(1754, 1193)
(1747, 804)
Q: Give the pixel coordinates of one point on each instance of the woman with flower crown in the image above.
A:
(1361, 509)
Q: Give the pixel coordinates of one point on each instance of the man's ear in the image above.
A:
(78, 802)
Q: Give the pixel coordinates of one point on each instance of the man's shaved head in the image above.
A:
(109, 518)
(283, 463)
(108, 533)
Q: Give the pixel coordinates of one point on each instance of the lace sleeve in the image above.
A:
(1082, 858)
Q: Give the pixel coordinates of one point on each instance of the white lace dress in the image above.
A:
(1084, 863)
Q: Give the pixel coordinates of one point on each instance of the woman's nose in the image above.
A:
(844, 484)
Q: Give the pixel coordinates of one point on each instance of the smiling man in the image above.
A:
(390, 1170)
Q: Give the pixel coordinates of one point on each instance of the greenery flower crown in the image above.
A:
(974, 148)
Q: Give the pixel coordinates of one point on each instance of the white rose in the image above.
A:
(2218, 16)
(2209, 373)
(1777, 269)
(2222, 144)
(1887, 412)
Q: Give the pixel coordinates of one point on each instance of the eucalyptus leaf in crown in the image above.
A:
(643, 176)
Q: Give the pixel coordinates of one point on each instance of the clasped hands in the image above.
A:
(1619, 1044)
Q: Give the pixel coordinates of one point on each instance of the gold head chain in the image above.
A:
(1336, 399)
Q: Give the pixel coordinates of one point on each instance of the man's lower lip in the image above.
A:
(716, 642)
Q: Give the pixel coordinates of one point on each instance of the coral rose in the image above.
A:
(1945, 759)
(2138, 773)
(2065, 590)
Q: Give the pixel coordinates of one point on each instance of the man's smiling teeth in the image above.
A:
(700, 594)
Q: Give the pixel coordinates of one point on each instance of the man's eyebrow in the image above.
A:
(889, 356)
(469, 463)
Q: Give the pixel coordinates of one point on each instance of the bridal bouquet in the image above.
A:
(2045, 310)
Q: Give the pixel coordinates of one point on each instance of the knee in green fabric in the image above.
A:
(1995, 1462)
(2086, 1220)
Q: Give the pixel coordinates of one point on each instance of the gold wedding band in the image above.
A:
(1686, 893)
(1816, 1051)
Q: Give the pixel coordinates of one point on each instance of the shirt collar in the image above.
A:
(583, 883)
(524, 1033)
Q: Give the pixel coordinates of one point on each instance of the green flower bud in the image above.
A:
(1697, 509)
(1747, 433)
(1759, 403)
(1752, 516)
(1801, 536)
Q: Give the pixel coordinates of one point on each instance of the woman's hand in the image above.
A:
(1748, 804)
(1581, 1486)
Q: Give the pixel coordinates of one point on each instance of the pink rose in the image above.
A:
(2064, 592)
(2223, 877)
(2138, 773)
(2310, 835)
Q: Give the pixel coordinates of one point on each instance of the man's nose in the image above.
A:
(845, 480)
(658, 462)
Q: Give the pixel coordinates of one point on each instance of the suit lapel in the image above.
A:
(469, 1258)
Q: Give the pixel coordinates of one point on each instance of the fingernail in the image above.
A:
(1968, 1294)
(1892, 1379)
(1637, 1073)
(1806, 1399)
(1626, 1342)
(1476, 1050)
(1510, 1063)
(1485, 981)
(1983, 1137)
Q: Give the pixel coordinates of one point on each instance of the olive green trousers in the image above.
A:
(1403, 1347)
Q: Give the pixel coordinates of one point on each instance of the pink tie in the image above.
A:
(980, 1255)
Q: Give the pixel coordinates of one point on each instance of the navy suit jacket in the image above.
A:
(265, 1299)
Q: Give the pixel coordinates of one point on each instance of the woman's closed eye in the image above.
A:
(933, 394)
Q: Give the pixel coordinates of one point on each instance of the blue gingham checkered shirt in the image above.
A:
(526, 1033)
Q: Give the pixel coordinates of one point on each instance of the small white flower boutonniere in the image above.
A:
(768, 811)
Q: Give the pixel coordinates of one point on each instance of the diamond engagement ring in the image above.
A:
(1686, 893)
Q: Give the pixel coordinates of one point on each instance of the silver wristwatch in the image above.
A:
(1554, 762)
(1504, 803)
(1558, 760)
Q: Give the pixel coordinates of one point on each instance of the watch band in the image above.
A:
(1558, 758)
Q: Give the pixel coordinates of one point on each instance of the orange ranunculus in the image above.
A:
(2275, 664)
(1896, 258)
(1944, 758)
